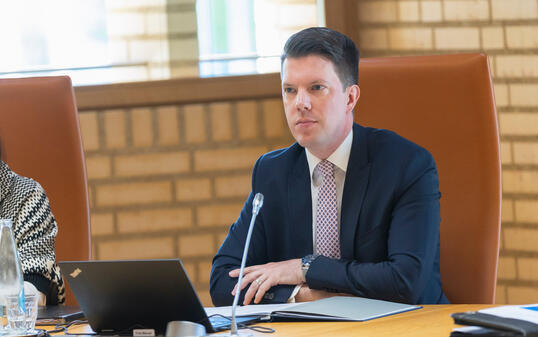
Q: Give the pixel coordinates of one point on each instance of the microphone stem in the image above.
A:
(243, 261)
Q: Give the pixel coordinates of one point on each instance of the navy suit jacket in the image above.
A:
(389, 226)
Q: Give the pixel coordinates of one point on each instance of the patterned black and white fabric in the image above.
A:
(24, 201)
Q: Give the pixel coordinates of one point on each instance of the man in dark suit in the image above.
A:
(347, 210)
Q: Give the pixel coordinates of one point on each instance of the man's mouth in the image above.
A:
(305, 122)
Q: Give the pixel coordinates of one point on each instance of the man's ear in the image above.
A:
(353, 93)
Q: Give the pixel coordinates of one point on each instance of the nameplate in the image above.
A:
(143, 333)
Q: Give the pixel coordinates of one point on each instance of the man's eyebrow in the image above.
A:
(320, 81)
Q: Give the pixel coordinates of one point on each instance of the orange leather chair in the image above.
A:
(41, 139)
(445, 103)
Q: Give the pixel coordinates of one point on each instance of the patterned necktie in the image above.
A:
(327, 237)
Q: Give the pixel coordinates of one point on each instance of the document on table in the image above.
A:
(337, 308)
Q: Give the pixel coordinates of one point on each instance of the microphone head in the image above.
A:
(257, 203)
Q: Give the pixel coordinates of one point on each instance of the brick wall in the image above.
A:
(168, 181)
(508, 31)
(152, 39)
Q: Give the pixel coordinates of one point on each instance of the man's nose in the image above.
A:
(302, 100)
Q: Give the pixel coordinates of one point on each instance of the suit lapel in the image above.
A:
(356, 183)
(300, 205)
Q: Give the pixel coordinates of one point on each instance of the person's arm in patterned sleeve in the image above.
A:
(35, 234)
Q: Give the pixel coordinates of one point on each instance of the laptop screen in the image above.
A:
(119, 296)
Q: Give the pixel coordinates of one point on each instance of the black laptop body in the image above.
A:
(118, 297)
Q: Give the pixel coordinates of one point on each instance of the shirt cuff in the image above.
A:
(294, 293)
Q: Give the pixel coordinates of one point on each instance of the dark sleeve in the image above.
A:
(413, 239)
(230, 253)
(35, 233)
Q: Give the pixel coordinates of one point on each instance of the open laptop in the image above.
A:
(118, 297)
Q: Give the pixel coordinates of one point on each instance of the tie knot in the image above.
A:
(326, 168)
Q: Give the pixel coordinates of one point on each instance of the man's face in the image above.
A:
(318, 109)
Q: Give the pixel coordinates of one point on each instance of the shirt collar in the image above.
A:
(340, 157)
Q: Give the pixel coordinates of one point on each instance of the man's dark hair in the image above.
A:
(329, 44)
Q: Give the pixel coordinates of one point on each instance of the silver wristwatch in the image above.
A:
(305, 263)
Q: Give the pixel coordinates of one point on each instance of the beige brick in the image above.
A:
(431, 11)
(126, 23)
(221, 121)
(168, 125)
(274, 119)
(457, 38)
(221, 237)
(524, 95)
(219, 215)
(526, 211)
(410, 38)
(522, 181)
(492, 38)
(373, 39)
(182, 22)
(247, 120)
(205, 297)
(156, 23)
(526, 153)
(154, 220)
(144, 49)
(518, 123)
(507, 210)
(227, 159)
(522, 295)
(89, 128)
(514, 9)
(204, 271)
(152, 164)
(142, 127)
(193, 189)
(506, 153)
(115, 135)
(522, 36)
(500, 295)
(232, 186)
(527, 268)
(133, 193)
(520, 66)
(408, 11)
(148, 248)
(507, 268)
(522, 239)
(501, 94)
(196, 245)
(190, 269)
(98, 167)
(102, 223)
(195, 127)
(183, 49)
(466, 10)
(377, 11)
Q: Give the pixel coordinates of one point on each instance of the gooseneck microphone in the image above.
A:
(256, 205)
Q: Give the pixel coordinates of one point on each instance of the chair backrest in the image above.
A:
(445, 103)
(40, 135)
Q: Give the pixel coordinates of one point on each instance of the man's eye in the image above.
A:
(289, 90)
(317, 87)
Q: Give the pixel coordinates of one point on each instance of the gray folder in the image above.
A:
(342, 308)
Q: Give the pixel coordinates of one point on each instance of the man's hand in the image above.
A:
(306, 294)
(264, 276)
